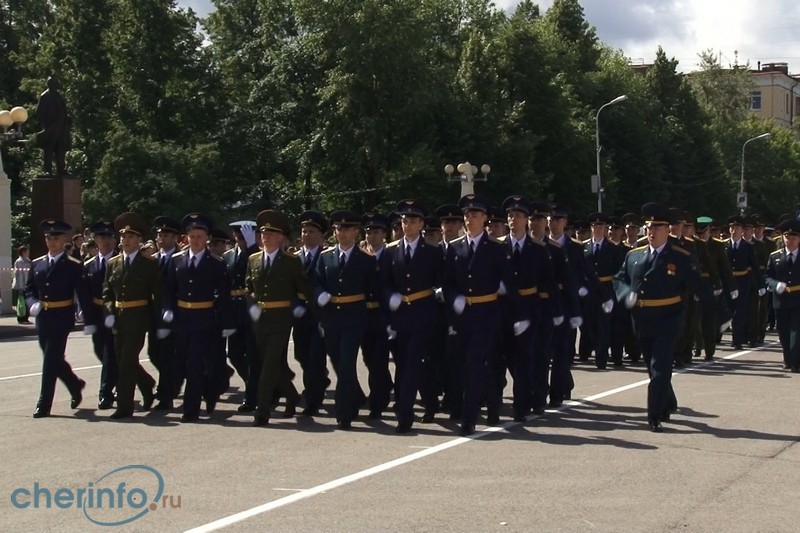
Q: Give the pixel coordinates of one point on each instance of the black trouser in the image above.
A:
(54, 365)
(561, 382)
(103, 344)
(309, 351)
(788, 323)
(412, 351)
(375, 351)
(342, 344)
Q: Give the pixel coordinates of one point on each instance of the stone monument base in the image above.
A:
(58, 198)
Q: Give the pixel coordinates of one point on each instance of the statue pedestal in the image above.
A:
(58, 198)
(6, 272)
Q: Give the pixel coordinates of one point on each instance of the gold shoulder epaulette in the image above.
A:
(587, 241)
(502, 238)
(394, 243)
(179, 254)
(149, 257)
(74, 260)
(40, 258)
(215, 256)
(253, 255)
(641, 248)
(776, 252)
(537, 241)
(229, 252)
(88, 261)
(290, 255)
(328, 251)
(576, 241)
(116, 259)
(681, 249)
(690, 239)
(551, 242)
(458, 239)
(721, 241)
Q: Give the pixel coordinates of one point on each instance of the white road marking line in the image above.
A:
(369, 472)
(20, 376)
(288, 490)
(420, 447)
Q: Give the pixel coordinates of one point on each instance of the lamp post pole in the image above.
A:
(742, 200)
(467, 176)
(598, 148)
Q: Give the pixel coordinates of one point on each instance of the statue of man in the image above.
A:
(54, 139)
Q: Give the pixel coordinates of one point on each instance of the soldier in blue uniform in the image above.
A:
(241, 345)
(309, 346)
(344, 277)
(747, 275)
(54, 280)
(475, 266)
(411, 272)
(652, 283)
(783, 280)
(161, 351)
(375, 345)
(198, 299)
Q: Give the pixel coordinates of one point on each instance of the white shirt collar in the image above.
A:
(132, 255)
(198, 255)
(515, 241)
(167, 253)
(54, 258)
(413, 244)
(659, 249)
(312, 251)
(595, 243)
(346, 253)
(475, 240)
(272, 255)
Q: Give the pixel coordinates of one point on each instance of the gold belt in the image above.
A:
(238, 292)
(301, 296)
(544, 295)
(605, 279)
(98, 301)
(353, 298)
(794, 288)
(661, 302)
(528, 292)
(414, 296)
(373, 305)
(705, 275)
(130, 304)
(276, 304)
(739, 273)
(57, 305)
(195, 305)
(486, 298)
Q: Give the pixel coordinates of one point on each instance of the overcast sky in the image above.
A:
(761, 30)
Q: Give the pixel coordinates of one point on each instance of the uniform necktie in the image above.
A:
(267, 264)
(408, 254)
(307, 259)
(161, 261)
(193, 263)
(128, 262)
(342, 260)
(653, 256)
(516, 251)
(471, 249)
(102, 265)
(790, 260)
(51, 263)
(596, 249)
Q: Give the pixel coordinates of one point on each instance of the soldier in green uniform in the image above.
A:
(132, 301)
(275, 279)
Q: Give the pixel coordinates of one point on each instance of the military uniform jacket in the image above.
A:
(208, 283)
(358, 277)
(236, 264)
(719, 260)
(605, 264)
(61, 283)
(480, 277)
(533, 270)
(280, 289)
(778, 270)
(744, 263)
(311, 317)
(140, 282)
(660, 286)
(95, 274)
(567, 291)
(424, 274)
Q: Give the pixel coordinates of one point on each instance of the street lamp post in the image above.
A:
(742, 200)
(467, 176)
(616, 100)
(10, 130)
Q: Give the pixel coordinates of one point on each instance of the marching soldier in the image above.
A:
(309, 346)
(242, 345)
(452, 223)
(275, 278)
(411, 271)
(344, 277)
(496, 224)
(746, 272)
(757, 324)
(652, 282)
(198, 300)
(132, 301)
(54, 280)
(475, 266)
(432, 231)
(783, 279)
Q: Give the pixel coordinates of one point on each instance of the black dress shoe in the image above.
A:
(709, 358)
(492, 420)
(555, 403)
(163, 406)
(403, 427)
(466, 430)
(538, 410)
(428, 418)
(105, 403)
(344, 424)
(187, 418)
(737, 346)
(260, 422)
(120, 413)
(375, 414)
(665, 417)
(246, 408)
(147, 398)
(41, 412)
(655, 426)
(211, 405)
(77, 396)
(290, 411)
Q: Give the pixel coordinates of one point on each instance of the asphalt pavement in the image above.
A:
(728, 461)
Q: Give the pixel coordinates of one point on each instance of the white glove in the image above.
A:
(630, 300)
(459, 304)
(394, 301)
(299, 311)
(167, 316)
(35, 308)
(451, 331)
(89, 330)
(439, 295)
(109, 321)
(255, 312)
(162, 333)
(762, 291)
(521, 326)
(501, 290)
(321, 331)
(696, 298)
(734, 294)
(717, 292)
(582, 292)
(249, 234)
(390, 333)
(780, 287)
(575, 322)
(228, 332)
(79, 318)
(558, 320)
(323, 299)
(608, 306)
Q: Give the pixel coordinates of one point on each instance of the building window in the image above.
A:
(797, 105)
(755, 100)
